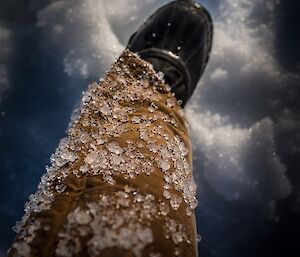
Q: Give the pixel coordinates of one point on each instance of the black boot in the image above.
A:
(176, 40)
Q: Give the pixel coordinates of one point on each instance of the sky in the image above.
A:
(244, 114)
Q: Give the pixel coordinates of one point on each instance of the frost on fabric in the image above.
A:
(97, 144)
(127, 227)
(107, 226)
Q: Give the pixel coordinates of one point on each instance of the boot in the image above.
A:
(177, 41)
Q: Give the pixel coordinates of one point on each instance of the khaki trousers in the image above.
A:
(121, 182)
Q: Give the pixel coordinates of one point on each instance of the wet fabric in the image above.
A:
(120, 183)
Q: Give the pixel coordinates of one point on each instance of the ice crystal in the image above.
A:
(60, 188)
(171, 102)
(114, 148)
(163, 208)
(23, 249)
(165, 165)
(175, 202)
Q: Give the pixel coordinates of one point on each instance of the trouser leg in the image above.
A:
(121, 182)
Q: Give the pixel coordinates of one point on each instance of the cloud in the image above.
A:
(239, 163)
(235, 111)
(88, 34)
(77, 31)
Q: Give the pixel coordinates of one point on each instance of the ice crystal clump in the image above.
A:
(109, 227)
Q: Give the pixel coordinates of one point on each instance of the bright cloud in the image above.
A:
(241, 80)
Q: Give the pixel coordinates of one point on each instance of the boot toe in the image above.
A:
(184, 29)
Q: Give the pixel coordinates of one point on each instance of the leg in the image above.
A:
(121, 183)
